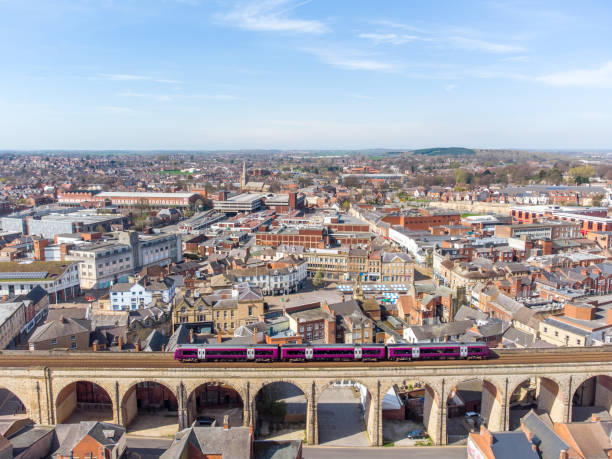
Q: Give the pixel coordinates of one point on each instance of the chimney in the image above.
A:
(163, 348)
(226, 422)
(563, 454)
(95, 346)
(137, 346)
(595, 418)
(534, 447)
(191, 335)
(219, 337)
(486, 435)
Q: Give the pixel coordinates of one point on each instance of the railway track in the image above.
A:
(21, 359)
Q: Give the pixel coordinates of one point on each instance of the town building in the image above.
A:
(245, 202)
(147, 199)
(220, 312)
(150, 250)
(60, 279)
(134, 296)
(90, 439)
(278, 278)
(63, 333)
(103, 264)
(12, 322)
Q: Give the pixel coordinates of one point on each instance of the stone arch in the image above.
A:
(294, 414)
(419, 410)
(361, 402)
(480, 395)
(14, 401)
(541, 393)
(148, 396)
(93, 399)
(217, 397)
(591, 396)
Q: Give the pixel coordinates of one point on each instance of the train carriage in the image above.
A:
(333, 352)
(227, 352)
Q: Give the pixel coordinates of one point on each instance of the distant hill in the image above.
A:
(450, 151)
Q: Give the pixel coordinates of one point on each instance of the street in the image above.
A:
(423, 452)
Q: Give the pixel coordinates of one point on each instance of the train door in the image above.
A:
(463, 352)
(416, 352)
(251, 353)
(308, 353)
(358, 353)
(201, 353)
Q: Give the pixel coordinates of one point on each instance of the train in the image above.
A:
(329, 352)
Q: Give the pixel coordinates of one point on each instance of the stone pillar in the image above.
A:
(312, 425)
(374, 416)
(183, 410)
(442, 437)
(492, 409)
(550, 400)
(116, 398)
(247, 406)
(567, 409)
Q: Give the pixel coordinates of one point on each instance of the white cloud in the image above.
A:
(351, 60)
(271, 16)
(115, 109)
(131, 77)
(391, 38)
(450, 87)
(473, 44)
(173, 97)
(589, 78)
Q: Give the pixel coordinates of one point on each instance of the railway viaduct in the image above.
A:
(45, 383)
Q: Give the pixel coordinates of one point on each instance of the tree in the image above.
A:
(581, 174)
(318, 281)
(596, 200)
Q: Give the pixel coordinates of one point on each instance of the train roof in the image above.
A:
(224, 346)
(435, 344)
(334, 345)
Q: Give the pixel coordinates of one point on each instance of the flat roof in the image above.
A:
(142, 194)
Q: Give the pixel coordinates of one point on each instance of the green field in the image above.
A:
(450, 151)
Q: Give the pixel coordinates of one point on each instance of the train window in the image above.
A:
(297, 352)
(260, 352)
(371, 351)
(402, 351)
(190, 352)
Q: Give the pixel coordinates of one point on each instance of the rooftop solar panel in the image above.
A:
(24, 275)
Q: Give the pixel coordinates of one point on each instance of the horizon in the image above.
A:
(238, 75)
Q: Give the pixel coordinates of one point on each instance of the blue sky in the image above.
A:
(217, 74)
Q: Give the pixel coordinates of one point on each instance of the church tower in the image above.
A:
(243, 177)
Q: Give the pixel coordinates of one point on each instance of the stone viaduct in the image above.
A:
(48, 392)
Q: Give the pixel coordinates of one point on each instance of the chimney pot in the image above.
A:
(595, 418)
(226, 422)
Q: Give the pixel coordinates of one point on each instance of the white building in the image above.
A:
(138, 295)
(160, 249)
(59, 278)
(274, 281)
(103, 264)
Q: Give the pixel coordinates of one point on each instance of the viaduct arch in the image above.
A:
(39, 387)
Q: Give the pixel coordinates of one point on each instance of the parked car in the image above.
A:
(416, 434)
(205, 421)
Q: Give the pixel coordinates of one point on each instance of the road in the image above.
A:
(424, 452)
(152, 448)
(148, 360)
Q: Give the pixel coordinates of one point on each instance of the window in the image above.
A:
(54, 342)
(73, 338)
(74, 345)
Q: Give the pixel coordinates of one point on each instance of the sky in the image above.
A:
(292, 74)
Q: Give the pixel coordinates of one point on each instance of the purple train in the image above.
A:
(329, 352)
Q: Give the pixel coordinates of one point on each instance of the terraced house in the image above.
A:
(220, 312)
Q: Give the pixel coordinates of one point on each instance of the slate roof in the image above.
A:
(59, 328)
(69, 435)
(232, 443)
(548, 442)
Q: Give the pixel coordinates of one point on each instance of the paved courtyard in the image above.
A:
(340, 418)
